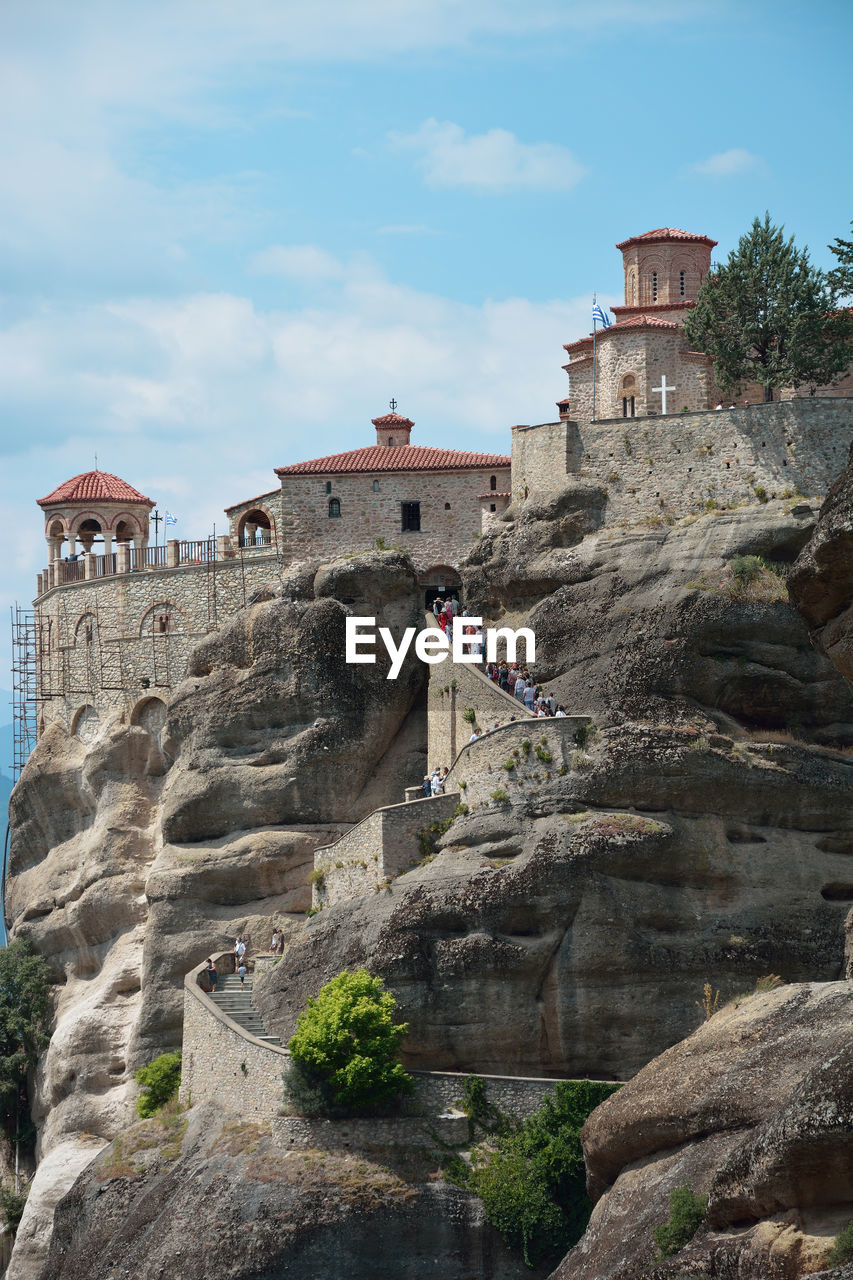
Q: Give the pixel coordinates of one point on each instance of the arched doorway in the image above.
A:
(255, 529)
(439, 581)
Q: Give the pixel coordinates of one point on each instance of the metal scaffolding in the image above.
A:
(25, 661)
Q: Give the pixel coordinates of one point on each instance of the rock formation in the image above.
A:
(755, 1110)
(137, 853)
(821, 582)
(217, 1197)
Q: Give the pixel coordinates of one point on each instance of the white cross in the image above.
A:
(663, 388)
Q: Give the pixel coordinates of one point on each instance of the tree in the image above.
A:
(768, 316)
(345, 1049)
(840, 278)
(687, 1213)
(24, 1017)
(160, 1081)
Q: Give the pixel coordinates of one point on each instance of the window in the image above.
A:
(682, 284)
(447, 506)
(390, 440)
(328, 486)
(334, 508)
(493, 482)
(375, 486)
(493, 506)
(654, 286)
(411, 513)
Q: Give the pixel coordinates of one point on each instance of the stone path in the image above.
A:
(237, 1004)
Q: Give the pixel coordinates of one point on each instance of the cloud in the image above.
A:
(297, 262)
(729, 164)
(495, 161)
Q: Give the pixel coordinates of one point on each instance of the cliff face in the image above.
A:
(136, 854)
(754, 1110)
(582, 914)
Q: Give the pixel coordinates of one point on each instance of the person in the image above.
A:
(529, 696)
(551, 704)
(560, 713)
(211, 976)
(454, 605)
(434, 782)
(437, 606)
(242, 971)
(239, 949)
(503, 677)
(520, 686)
(474, 736)
(427, 785)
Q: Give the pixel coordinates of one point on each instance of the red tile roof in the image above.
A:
(633, 322)
(392, 420)
(248, 502)
(95, 486)
(407, 457)
(666, 233)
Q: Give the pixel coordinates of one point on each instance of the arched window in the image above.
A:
(375, 486)
(493, 482)
(334, 508)
(390, 439)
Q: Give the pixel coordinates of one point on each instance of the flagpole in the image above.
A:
(593, 357)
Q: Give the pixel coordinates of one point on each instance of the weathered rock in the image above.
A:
(755, 1109)
(583, 917)
(222, 1199)
(136, 854)
(821, 583)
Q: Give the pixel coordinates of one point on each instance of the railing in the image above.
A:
(263, 538)
(197, 552)
(105, 565)
(147, 558)
(72, 570)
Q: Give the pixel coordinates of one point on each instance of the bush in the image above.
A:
(687, 1212)
(760, 493)
(24, 1020)
(470, 715)
(12, 1207)
(160, 1081)
(317, 877)
(543, 754)
(533, 1181)
(500, 796)
(345, 1049)
(746, 569)
(842, 1250)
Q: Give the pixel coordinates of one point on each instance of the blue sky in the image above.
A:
(231, 232)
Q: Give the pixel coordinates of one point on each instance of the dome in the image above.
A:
(94, 486)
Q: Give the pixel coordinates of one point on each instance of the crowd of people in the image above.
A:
(434, 783)
(518, 682)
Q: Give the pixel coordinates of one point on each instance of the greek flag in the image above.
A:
(601, 316)
(170, 519)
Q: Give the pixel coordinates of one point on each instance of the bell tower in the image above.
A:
(392, 429)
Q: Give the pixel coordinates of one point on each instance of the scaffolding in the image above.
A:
(25, 692)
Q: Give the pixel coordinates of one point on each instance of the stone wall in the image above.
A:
(480, 770)
(100, 638)
(455, 688)
(222, 1062)
(643, 354)
(673, 466)
(449, 506)
(375, 850)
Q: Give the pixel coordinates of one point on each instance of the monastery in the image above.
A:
(115, 618)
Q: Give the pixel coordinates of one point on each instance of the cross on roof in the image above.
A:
(392, 404)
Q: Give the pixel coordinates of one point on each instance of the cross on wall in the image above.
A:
(663, 389)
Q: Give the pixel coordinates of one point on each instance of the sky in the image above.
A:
(231, 233)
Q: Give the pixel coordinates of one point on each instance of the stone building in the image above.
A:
(641, 366)
(430, 502)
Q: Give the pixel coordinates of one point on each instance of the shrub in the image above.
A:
(760, 493)
(769, 982)
(532, 1180)
(686, 1214)
(500, 796)
(842, 1250)
(526, 745)
(745, 569)
(160, 1081)
(470, 715)
(317, 877)
(24, 1018)
(509, 765)
(585, 735)
(543, 754)
(710, 1002)
(346, 1046)
(460, 811)
(12, 1207)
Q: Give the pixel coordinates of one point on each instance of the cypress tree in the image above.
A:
(767, 315)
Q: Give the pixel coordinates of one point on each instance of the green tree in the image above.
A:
(24, 1018)
(532, 1178)
(346, 1046)
(768, 316)
(840, 278)
(160, 1081)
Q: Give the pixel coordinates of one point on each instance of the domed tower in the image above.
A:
(663, 271)
(95, 509)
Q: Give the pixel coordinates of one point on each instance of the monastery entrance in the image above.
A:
(438, 582)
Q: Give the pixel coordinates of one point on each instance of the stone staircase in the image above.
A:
(236, 1002)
